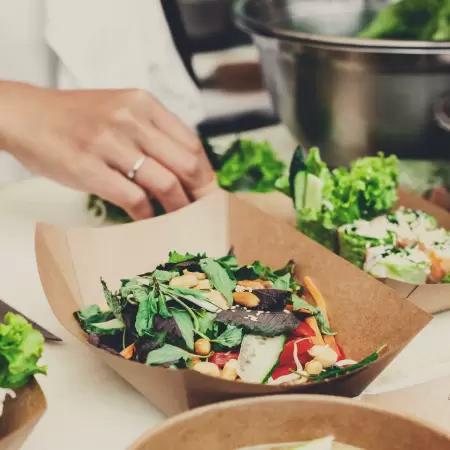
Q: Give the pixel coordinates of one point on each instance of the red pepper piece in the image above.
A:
(281, 371)
(220, 358)
(304, 330)
(341, 354)
(287, 355)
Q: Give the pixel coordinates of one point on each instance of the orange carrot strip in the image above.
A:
(127, 353)
(320, 301)
(317, 339)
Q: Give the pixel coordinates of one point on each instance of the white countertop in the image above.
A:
(89, 406)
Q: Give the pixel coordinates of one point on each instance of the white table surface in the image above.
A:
(89, 406)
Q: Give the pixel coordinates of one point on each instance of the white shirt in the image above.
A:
(93, 44)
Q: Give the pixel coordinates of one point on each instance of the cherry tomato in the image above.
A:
(220, 358)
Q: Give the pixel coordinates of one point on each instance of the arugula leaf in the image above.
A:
(257, 322)
(113, 300)
(184, 322)
(231, 337)
(168, 353)
(20, 350)
(219, 278)
(446, 279)
(162, 307)
(334, 372)
(146, 315)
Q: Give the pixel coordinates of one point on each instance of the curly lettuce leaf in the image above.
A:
(410, 20)
(21, 347)
(250, 166)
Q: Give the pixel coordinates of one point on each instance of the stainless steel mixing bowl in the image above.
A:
(351, 97)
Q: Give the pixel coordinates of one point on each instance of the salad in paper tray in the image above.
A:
(350, 212)
(240, 323)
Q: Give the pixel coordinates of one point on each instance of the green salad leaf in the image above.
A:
(219, 277)
(427, 20)
(326, 200)
(113, 300)
(21, 347)
(250, 166)
(168, 353)
(231, 337)
(185, 325)
(146, 315)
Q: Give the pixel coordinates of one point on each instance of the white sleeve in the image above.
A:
(120, 44)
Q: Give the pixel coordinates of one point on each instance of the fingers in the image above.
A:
(190, 166)
(153, 177)
(115, 188)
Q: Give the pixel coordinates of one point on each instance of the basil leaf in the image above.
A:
(267, 324)
(206, 322)
(146, 315)
(113, 300)
(322, 322)
(162, 307)
(184, 322)
(283, 283)
(299, 303)
(231, 337)
(168, 353)
(219, 278)
(175, 257)
(138, 292)
(191, 295)
(228, 261)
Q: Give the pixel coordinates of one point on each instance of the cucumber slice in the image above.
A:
(258, 357)
(110, 325)
(313, 195)
(299, 190)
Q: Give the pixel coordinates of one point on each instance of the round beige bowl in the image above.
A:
(293, 418)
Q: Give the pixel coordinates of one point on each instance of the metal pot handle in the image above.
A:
(442, 112)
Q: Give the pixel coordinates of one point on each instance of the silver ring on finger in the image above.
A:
(137, 165)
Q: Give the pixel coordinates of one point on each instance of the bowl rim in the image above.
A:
(291, 398)
(253, 26)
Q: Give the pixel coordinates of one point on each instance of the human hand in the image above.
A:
(90, 140)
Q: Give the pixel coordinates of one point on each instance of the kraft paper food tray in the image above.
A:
(428, 401)
(432, 298)
(290, 419)
(20, 415)
(365, 312)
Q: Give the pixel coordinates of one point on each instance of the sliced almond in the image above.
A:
(198, 275)
(203, 285)
(187, 281)
(246, 299)
(252, 284)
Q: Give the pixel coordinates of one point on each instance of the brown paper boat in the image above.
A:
(292, 419)
(365, 312)
(432, 298)
(20, 415)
